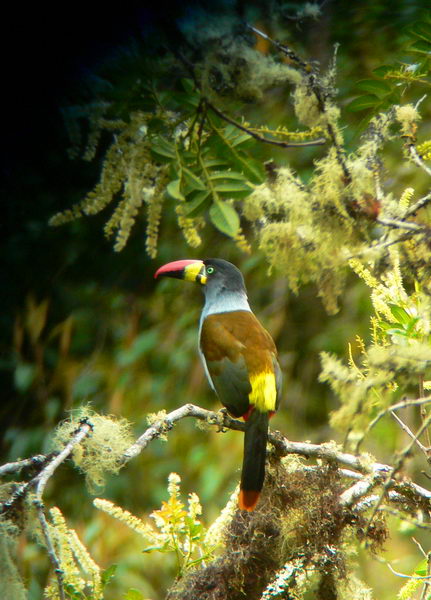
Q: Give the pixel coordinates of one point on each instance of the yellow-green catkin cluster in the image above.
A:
(177, 527)
(189, 226)
(129, 177)
(79, 571)
(397, 356)
(102, 450)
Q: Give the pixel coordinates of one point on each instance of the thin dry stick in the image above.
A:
(424, 413)
(389, 482)
(409, 432)
(390, 409)
(427, 584)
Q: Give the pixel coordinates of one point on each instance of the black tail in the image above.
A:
(253, 466)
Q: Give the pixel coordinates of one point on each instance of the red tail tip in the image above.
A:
(248, 499)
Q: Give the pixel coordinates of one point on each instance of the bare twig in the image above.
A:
(304, 66)
(409, 432)
(427, 584)
(390, 409)
(424, 413)
(357, 491)
(421, 577)
(166, 423)
(390, 478)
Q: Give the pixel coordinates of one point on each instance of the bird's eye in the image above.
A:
(210, 270)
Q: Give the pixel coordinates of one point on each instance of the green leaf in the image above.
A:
(421, 46)
(108, 574)
(236, 189)
(210, 163)
(410, 327)
(401, 315)
(149, 549)
(422, 30)
(374, 86)
(162, 147)
(174, 191)
(142, 344)
(422, 568)
(241, 138)
(225, 218)
(236, 136)
(24, 375)
(188, 85)
(196, 205)
(227, 175)
(363, 102)
(382, 70)
(396, 331)
(192, 180)
(73, 593)
(133, 594)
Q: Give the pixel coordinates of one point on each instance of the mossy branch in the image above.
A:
(327, 452)
(354, 480)
(38, 483)
(260, 138)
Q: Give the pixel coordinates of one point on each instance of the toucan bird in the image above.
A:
(239, 358)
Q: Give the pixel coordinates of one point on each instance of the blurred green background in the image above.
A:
(82, 324)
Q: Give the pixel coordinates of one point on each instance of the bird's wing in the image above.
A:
(241, 362)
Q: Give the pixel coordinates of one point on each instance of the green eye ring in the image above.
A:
(210, 270)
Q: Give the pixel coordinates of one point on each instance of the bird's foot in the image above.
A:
(219, 419)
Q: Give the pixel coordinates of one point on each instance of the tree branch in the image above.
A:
(416, 158)
(261, 138)
(39, 482)
(328, 452)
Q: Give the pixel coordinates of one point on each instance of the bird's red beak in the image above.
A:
(189, 270)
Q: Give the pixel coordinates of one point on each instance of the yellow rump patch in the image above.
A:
(263, 393)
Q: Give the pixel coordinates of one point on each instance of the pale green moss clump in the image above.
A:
(306, 232)
(101, 451)
(11, 584)
(244, 73)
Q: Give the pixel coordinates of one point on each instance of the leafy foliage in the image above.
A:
(177, 531)
(391, 82)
